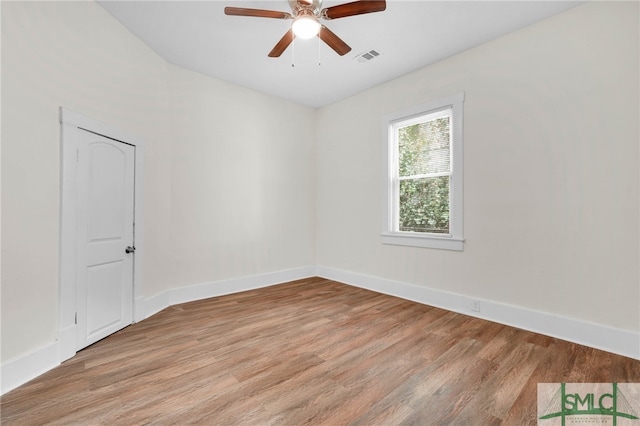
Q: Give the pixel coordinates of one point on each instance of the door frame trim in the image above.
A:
(68, 203)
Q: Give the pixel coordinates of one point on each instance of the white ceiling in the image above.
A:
(197, 35)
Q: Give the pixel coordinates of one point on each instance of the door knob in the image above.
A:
(130, 249)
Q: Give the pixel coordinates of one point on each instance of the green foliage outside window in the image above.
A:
(424, 166)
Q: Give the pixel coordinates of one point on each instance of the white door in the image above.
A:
(105, 236)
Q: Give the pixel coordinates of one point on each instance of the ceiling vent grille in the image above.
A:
(367, 56)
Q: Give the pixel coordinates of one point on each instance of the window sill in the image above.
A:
(426, 241)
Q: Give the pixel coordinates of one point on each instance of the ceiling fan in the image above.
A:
(306, 15)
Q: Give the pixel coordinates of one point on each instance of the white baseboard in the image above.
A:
(20, 370)
(175, 296)
(615, 340)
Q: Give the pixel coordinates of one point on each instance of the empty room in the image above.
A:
(320, 212)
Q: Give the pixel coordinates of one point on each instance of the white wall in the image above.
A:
(229, 173)
(242, 198)
(238, 183)
(69, 54)
(551, 171)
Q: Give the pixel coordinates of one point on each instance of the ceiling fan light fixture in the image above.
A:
(306, 15)
(305, 26)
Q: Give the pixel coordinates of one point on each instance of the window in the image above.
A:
(424, 175)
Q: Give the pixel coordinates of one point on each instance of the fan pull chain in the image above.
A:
(293, 51)
(319, 61)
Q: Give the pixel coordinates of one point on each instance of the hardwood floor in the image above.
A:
(310, 352)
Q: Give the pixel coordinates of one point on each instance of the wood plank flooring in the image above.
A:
(309, 352)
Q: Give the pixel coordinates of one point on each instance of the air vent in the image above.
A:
(367, 56)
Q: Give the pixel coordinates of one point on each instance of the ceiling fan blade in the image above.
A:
(282, 45)
(258, 13)
(333, 41)
(354, 8)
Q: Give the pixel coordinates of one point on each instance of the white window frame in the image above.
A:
(391, 234)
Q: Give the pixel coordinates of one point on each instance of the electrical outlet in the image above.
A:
(475, 306)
